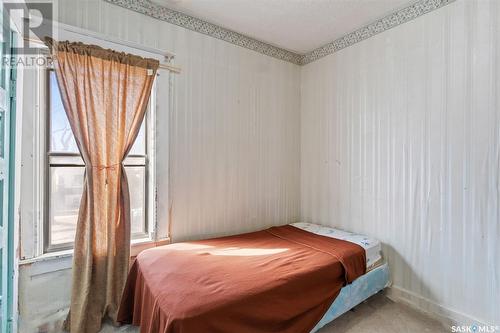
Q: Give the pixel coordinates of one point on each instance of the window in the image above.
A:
(65, 172)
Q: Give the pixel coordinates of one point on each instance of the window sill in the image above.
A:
(47, 256)
(140, 245)
(137, 246)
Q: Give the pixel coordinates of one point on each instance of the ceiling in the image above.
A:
(296, 25)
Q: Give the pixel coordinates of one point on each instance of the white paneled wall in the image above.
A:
(400, 139)
(234, 148)
(234, 129)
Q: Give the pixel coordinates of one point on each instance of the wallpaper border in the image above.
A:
(149, 8)
(390, 21)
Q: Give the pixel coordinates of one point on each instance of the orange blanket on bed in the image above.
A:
(282, 279)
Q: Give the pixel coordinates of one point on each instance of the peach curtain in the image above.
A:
(105, 94)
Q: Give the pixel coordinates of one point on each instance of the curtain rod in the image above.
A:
(168, 67)
(79, 31)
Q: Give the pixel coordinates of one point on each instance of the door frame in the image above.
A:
(9, 243)
(8, 195)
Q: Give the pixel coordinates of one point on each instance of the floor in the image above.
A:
(381, 315)
(377, 315)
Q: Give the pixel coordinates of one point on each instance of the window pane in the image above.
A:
(66, 186)
(139, 147)
(61, 136)
(136, 176)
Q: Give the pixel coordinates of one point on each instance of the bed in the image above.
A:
(292, 278)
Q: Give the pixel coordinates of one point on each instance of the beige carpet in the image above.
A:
(381, 315)
(377, 315)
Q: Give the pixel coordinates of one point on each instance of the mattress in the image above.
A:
(371, 245)
(353, 294)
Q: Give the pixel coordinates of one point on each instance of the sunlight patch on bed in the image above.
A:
(235, 251)
(188, 247)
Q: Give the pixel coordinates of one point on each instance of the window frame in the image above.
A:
(147, 161)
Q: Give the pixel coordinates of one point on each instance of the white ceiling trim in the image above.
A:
(401, 16)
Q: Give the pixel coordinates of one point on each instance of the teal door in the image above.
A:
(7, 138)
